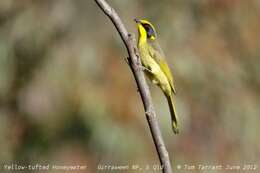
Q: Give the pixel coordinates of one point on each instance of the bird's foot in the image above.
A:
(143, 68)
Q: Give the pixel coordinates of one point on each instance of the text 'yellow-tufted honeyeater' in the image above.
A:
(154, 62)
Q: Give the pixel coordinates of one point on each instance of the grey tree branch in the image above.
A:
(135, 63)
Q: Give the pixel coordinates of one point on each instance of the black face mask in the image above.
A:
(149, 30)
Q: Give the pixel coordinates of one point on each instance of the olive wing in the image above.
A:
(158, 55)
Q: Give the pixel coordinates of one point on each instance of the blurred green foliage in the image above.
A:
(68, 97)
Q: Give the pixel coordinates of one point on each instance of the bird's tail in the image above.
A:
(174, 117)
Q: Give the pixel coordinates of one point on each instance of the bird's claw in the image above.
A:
(143, 68)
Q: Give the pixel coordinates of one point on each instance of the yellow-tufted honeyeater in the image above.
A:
(156, 67)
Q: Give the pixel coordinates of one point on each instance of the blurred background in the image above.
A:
(67, 96)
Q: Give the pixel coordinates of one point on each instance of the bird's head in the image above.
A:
(146, 29)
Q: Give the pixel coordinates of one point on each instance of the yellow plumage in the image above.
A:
(156, 67)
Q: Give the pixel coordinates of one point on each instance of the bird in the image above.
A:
(155, 66)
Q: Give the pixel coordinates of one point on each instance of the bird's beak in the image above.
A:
(137, 20)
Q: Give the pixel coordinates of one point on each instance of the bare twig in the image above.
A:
(135, 63)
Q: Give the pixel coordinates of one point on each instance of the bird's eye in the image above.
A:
(149, 30)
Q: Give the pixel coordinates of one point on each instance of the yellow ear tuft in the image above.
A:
(152, 37)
